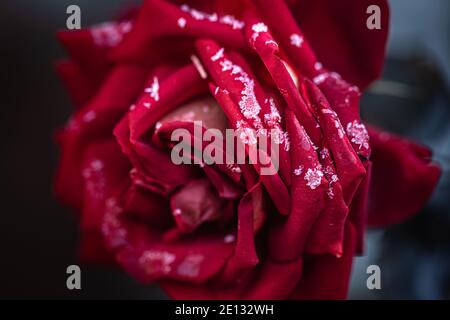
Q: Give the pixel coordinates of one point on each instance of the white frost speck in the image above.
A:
(324, 153)
(154, 89)
(97, 165)
(213, 17)
(257, 29)
(248, 104)
(330, 194)
(313, 177)
(324, 76)
(229, 238)
(296, 40)
(232, 21)
(320, 78)
(157, 261)
(358, 134)
(246, 134)
(299, 170)
(339, 128)
(109, 34)
(218, 55)
(327, 111)
(273, 117)
(111, 226)
(181, 22)
(234, 168)
(272, 42)
(89, 116)
(190, 267)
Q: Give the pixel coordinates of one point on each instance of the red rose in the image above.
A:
(220, 231)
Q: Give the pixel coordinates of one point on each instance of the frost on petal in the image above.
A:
(272, 42)
(109, 34)
(232, 21)
(213, 17)
(298, 171)
(89, 116)
(358, 134)
(218, 55)
(296, 40)
(326, 75)
(113, 231)
(313, 177)
(257, 29)
(229, 238)
(246, 134)
(153, 261)
(153, 90)
(190, 267)
(181, 22)
(273, 118)
(234, 168)
(324, 153)
(248, 104)
(273, 121)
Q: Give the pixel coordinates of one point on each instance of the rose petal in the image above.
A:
(326, 276)
(307, 197)
(332, 27)
(94, 121)
(195, 204)
(149, 33)
(403, 178)
(348, 166)
(81, 84)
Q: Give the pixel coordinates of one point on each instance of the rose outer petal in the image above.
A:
(104, 171)
(81, 84)
(403, 178)
(340, 26)
(94, 121)
(327, 27)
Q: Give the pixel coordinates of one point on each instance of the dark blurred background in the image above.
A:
(38, 237)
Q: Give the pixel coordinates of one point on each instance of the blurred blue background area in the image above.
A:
(413, 99)
(38, 238)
